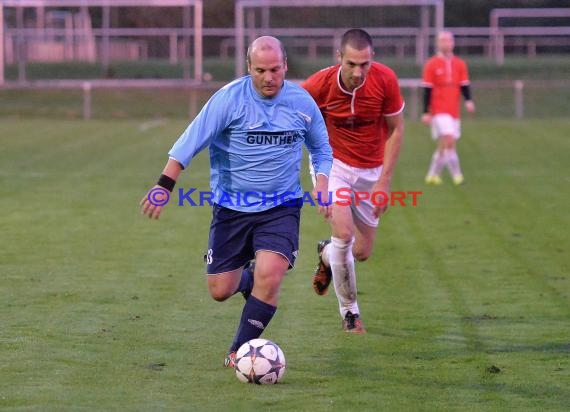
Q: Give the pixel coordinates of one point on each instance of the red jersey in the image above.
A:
(445, 76)
(355, 121)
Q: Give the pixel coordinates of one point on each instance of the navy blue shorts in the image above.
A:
(236, 236)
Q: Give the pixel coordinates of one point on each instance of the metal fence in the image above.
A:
(512, 93)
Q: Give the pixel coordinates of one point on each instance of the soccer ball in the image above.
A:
(260, 361)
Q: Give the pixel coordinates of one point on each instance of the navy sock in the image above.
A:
(255, 317)
(246, 282)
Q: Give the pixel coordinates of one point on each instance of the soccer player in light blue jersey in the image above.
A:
(255, 128)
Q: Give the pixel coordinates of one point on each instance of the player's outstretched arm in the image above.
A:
(157, 197)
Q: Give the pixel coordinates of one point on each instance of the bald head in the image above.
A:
(445, 42)
(265, 44)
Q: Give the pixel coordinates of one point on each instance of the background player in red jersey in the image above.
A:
(445, 78)
(363, 109)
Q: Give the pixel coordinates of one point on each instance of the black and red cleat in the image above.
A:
(323, 274)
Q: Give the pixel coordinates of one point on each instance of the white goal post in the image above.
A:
(245, 20)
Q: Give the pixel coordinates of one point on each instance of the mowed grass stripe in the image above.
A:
(532, 201)
(508, 281)
(467, 283)
(440, 313)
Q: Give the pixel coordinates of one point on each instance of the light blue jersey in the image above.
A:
(256, 144)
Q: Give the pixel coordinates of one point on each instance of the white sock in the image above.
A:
(437, 163)
(452, 162)
(344, 276)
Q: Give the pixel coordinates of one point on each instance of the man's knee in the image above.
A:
(449, 142)
(361, 255)
(270, 280)
(219, 291)
(219, 297)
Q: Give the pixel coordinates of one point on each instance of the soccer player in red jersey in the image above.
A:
(445, 79)
(363, 109)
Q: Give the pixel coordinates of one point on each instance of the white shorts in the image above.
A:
(445, 125)
(354, 179)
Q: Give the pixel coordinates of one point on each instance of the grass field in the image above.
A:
(466, 298)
